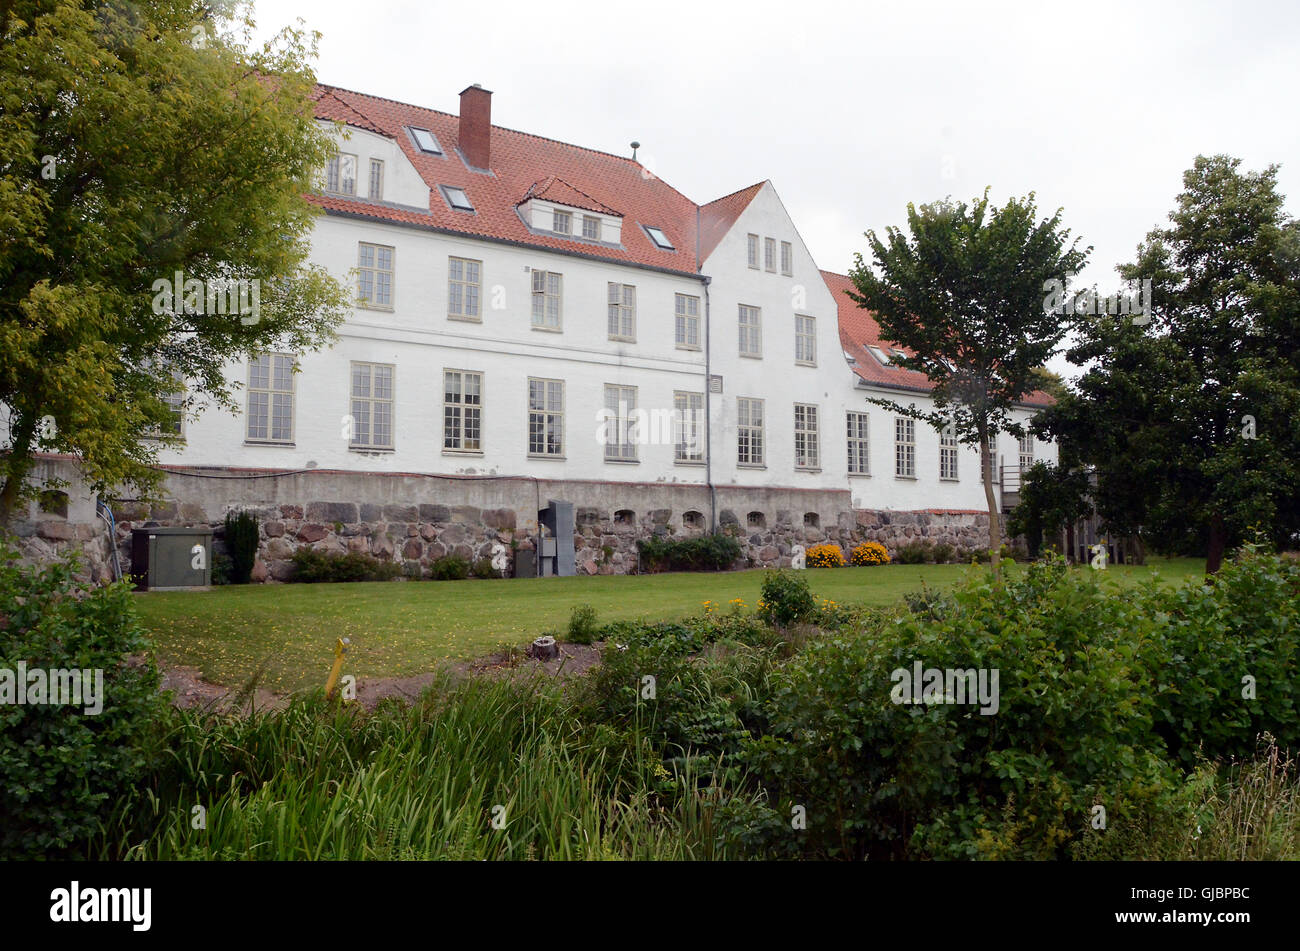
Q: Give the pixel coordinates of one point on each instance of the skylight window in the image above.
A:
(659, 238)
(879, 355)
(456, 197)
(425, 141)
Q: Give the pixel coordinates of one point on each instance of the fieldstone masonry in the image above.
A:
(416, 519)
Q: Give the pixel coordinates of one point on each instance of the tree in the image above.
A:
(1050, 382)
(144, 145)
(1051, 496)
(1192, 421)
(965, 295)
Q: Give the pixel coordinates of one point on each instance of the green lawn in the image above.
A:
(403, 628)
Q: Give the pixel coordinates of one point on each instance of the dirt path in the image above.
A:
(191, 690)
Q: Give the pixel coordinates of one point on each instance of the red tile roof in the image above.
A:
(717, 217)
(597, 180)
(859, 330)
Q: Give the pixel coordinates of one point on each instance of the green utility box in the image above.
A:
(171, 559)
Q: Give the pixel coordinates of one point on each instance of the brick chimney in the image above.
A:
(476, 126)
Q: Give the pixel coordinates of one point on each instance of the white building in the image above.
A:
(535, 312)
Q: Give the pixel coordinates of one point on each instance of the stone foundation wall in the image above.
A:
(417, 519)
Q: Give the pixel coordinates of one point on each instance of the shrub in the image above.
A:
(241, 543)
(825, 556)
(941, 780)
(870, 553)
(61, 769)
(914, 553)
(220, 568)
(786, 598)
(583, 626)
(700, 553)
(482, 568)
(943, 553)
(449, 568)
(312, 567)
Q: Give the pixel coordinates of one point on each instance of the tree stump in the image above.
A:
(545, 648)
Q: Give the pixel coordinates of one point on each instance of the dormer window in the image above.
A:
(563, 223)
(659, 238)
(341, 174)
(425, 141)
(456, 197)
(591, 227)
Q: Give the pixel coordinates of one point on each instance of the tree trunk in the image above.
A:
(995, 524)
(17, 466)
(1069, 543)
(1218, 544)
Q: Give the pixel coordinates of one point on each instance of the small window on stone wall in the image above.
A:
(625, 517)
(53, 502)
(756, 520)
(693, 519)
(811, 520)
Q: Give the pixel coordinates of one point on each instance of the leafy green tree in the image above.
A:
(1050, 382)
(1051, 496)
(140, 141)
(965, 294)
(1192, 421)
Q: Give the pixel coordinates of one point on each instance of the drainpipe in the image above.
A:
(708, 416)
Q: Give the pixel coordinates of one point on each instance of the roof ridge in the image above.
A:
(506, 128)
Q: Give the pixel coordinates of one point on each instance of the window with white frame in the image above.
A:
(545, 417)
(805, 340)
(620, 425)
(462, 411)
(859, 444)
(372, 405)
(688, 426)
(341, 174)
(270, 398)
(787, 258)
(547, 287)
(622, 312)
(948, 452)
(753, 250)
(769, 254)
(464, 284)
(687, 311)
(749, 431)
(904, 447)
(562, 222)
(1026, 452)
(751, 331)
(807, 443)
(375, 275)
(376, 179)
(591, 227)
(175, 401)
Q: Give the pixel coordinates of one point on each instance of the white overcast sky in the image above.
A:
(855, 109)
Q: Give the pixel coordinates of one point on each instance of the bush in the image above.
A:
(786, 598)
(940, 780)
(701, 553)
(241, 543)
(870, 553)
(220, 568)
(583, 626)
(825, 556)
(312, 567)
(482, 568)
(914, 553)
(943, 553)
(449, 568)
(62, 770)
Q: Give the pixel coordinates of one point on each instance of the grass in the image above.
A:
(405, 628)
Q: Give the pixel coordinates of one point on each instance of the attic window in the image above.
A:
(879, 355)
(456, 197)
(425, 141)
(659, 238)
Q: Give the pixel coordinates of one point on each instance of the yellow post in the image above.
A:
(340, 649)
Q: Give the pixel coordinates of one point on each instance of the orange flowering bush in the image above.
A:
(824, 556)
(870, 553)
